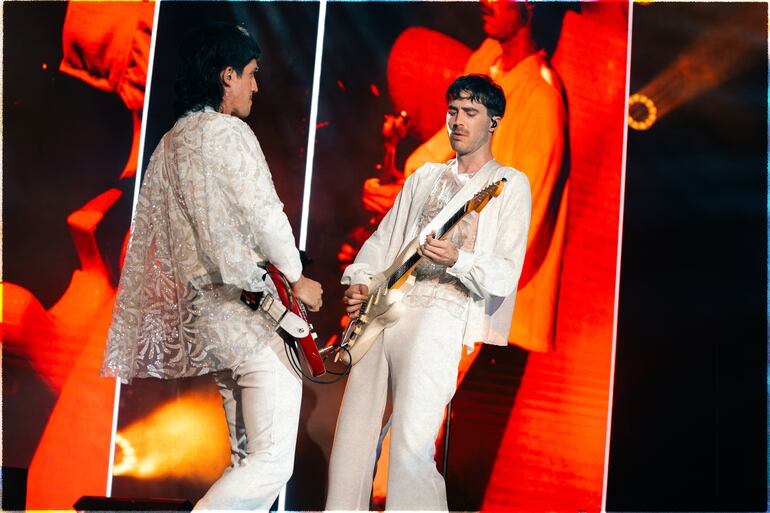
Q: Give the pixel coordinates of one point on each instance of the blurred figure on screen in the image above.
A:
(532, 138)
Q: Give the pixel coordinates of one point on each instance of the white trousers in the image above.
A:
(261, 398)
(420, 354)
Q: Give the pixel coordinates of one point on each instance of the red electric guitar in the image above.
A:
(305, 343)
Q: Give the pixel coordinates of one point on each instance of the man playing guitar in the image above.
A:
(207, 220)
(462, 291)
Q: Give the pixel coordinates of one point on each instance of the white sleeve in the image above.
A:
(247, 223)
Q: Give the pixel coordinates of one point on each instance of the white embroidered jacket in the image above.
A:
(490, 272)
(207, 216)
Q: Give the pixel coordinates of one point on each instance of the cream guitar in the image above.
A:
(383, 307)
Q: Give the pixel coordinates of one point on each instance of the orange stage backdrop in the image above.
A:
(552, 453)
(107, 46)
(528, 431)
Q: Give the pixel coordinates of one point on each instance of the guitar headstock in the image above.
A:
(480, 200)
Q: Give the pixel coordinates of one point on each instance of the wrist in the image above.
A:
(463, 263)
(455, 256)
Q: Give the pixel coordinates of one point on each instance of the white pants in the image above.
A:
(261, 397)
(420, 354)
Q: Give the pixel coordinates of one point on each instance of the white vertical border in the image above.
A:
(137, 185)
(319, 42)
(310, 155)
(618, 259)
(2, 307)
(145, 109)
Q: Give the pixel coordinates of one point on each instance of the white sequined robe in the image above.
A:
(207, 216)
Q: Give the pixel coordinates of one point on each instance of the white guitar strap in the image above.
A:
(286, 319)
(477, 182)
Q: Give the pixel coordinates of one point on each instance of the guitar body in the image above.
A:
(307, 343)
(384, 310)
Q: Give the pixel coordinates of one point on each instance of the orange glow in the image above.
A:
(649, 113)
(185, 438)
(128, 456)
(65, 343)
(715, 57)
(416, 54)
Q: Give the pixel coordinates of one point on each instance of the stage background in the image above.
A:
(67, 190)
(689, 424)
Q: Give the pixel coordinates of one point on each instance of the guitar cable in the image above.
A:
(293, 355)
(296, 364)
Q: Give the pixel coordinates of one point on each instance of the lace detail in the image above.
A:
(433, 284)
(207, 216)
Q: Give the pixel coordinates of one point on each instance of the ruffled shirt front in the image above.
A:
(433, 285)
(207, 217)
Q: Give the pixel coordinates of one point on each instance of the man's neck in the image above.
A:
(517, 48)
(470, 163)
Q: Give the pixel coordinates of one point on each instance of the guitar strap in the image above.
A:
(273, 308)
(477, 182)
(286, 319)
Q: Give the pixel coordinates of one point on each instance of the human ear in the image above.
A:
(226, 75)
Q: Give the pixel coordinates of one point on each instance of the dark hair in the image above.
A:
(480, 89)
(547, 21)
(204, 53)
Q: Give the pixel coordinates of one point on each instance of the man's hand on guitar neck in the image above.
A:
(309, 292)
(354, 296)
(439, 251)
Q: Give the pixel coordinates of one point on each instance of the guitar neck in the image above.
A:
(408, 259)
(399, 275)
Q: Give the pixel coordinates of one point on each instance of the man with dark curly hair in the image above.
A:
(207, 218)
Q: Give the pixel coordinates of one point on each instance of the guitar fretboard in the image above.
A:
(452, 221)
(412, 260)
